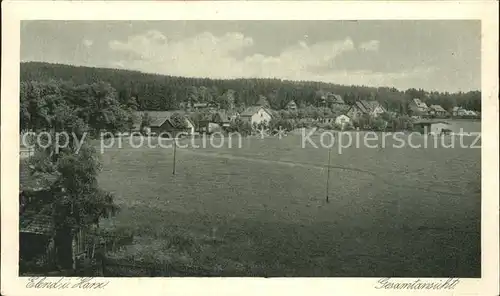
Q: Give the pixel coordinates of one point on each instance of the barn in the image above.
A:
(432, 127)
(161, 122)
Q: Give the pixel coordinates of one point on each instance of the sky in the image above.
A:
(433, 55)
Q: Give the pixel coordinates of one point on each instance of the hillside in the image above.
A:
(161, 92)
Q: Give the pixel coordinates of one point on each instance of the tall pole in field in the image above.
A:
(329, 161)
(328, 173)
(175, 150)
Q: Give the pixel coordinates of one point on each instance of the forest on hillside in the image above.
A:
(162, 92)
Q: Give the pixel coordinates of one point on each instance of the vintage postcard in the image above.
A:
(250, 147)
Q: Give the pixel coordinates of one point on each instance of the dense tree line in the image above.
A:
(160, 92)
(47, 105)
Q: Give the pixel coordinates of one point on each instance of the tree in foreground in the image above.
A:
(65, 154)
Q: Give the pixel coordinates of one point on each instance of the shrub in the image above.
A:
(379, 124)
(284, 124)
(239, 126)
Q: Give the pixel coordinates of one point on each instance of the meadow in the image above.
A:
(261, 210)
(466, 125)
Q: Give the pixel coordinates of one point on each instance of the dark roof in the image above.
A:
(371, 105)
(250, 111)
(155, 116)
(366, 106)
(37, 222)
(160, 122)
(336, 98)
(361, 107)
(437, 108)
(225, 116)
(429, 122)
(323, 95)
(158, 118)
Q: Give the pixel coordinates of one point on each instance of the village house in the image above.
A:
(208, 127)
(342, 120)
(224, 118)
(327, 119)
(256, 115)
(212, 122)
(334, 99)
(357, 110)
(364, 107)
(161, 122)
(291, 106)
(328, 99)
(459, 111)
(321, 101)
(205, 123)
(437, 110)
(194, 107)
(374, 108)
(432, 127)
(202, 106)
(418, 107)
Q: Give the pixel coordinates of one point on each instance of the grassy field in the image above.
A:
(260, 210)
(466, 125)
